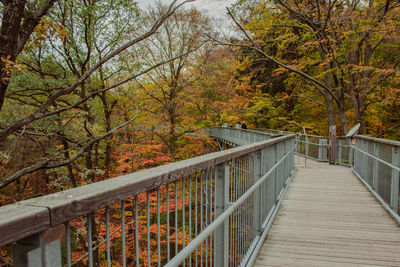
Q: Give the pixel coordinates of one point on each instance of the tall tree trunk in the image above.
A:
(89, 164)
(69, 166)
(343, 119)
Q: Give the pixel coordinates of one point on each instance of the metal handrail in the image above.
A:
(27, 223)
(376, 162)
(184, 253)
(379, 140)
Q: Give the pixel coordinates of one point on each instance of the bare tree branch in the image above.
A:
(42, 110)
(49, 164)
(388, 129)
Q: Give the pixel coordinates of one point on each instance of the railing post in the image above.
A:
(332, 141)
(285, 162)
(280, 169)
(275, 173)
(339, 147)
(358, 158)
(394, 203)
(324, 149)
(257, 220)
(364, 148)
(375, 166)
(306, 147)
(319, 149)
(42, 249)
(221, 254)
(351, 150)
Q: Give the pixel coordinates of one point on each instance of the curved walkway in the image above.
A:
(328, 218)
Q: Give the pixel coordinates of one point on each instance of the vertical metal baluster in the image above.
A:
(211, 215)
(148, 228)
(249, 202)
(239, 225)
(123, 233)
(237, 213)
(250, 175)
(195, 210)
(108, 236)
(201, 214)
(235, 238)
(176, 217)
(243, 205)
(68, 243)
(89, 234)
(190, 217)
(158, 228)
(168, 231)
(206, 212)
(183, 216)
(230, 256)
(136, 232)
(241, 210)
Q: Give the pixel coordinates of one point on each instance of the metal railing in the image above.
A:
(238, 137)
(312, 146)
(377, 163)
(212, 210)
(345, 151)
(272, 131)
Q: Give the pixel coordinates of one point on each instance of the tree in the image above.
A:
(73, 98)
(337, 43)
(18, 21)
(166, 85)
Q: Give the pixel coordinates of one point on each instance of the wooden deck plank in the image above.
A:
(328, 218)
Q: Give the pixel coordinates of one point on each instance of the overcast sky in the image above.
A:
(215, 8)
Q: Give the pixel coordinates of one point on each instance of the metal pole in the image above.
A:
(221, 199)
(257, 156)
(375, 168)
(332, 141)
(394, 203)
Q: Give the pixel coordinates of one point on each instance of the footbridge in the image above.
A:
(268, 198)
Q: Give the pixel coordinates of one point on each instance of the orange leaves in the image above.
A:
(10, 66)
(45, 29)
(139, 156)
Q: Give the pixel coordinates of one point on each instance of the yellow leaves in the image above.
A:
(45, 29)
(10, 67)
(4, 158)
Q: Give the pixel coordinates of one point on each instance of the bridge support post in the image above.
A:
(43, 249)
(394, 203)
(221, 254)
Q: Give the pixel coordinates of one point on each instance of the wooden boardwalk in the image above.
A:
(328, 218)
